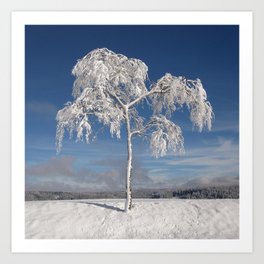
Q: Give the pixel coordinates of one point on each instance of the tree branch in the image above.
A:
(140, 98)
(118, 99)
(145, 128)
(155, 89)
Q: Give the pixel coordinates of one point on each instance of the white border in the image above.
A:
(19, 20)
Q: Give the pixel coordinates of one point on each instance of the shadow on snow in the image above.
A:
(103, 205)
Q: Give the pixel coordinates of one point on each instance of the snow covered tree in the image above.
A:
(109, 87)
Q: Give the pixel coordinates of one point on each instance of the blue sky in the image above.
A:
(210, 53)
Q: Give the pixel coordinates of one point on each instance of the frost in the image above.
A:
(172, 92)
(108, 88)
(165, 136)
(103, 70)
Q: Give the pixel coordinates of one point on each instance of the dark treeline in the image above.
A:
(143, 193)
(220, 192)
(44, 195)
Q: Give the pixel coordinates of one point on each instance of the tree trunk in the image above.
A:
(128, 204)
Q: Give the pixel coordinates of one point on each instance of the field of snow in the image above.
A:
(148, 219)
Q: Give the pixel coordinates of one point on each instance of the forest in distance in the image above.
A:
(216, 192)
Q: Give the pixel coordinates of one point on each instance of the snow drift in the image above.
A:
(148, 219)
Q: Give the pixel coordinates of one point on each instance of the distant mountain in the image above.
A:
(210, 182)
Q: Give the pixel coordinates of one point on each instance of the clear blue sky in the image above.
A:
(210, 53)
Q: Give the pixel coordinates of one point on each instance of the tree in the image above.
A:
(109, 87)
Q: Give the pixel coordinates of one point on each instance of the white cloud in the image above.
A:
(41, 108)
(94, 172)
(60, 174)
(217, 160)
(226, 121)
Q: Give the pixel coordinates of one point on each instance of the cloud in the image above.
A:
(41, 108)
(101, 171)
(62, 166)
(226, 121)
(214, 158)
(218, 160)
(61, 174)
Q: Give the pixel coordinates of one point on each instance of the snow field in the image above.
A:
(148, 219)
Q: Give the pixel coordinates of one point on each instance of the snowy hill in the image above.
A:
(148, 219)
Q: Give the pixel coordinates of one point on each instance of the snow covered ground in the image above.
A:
(149, 219)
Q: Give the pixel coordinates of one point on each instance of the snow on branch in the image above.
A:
(71, 118)
(110, 72)
(165, 136)
(74, 116)
(109, 86)
(105, 83)
(171, 93)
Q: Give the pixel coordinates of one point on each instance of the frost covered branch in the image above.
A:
(171, 93)
(105, 70)
(164, 136)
